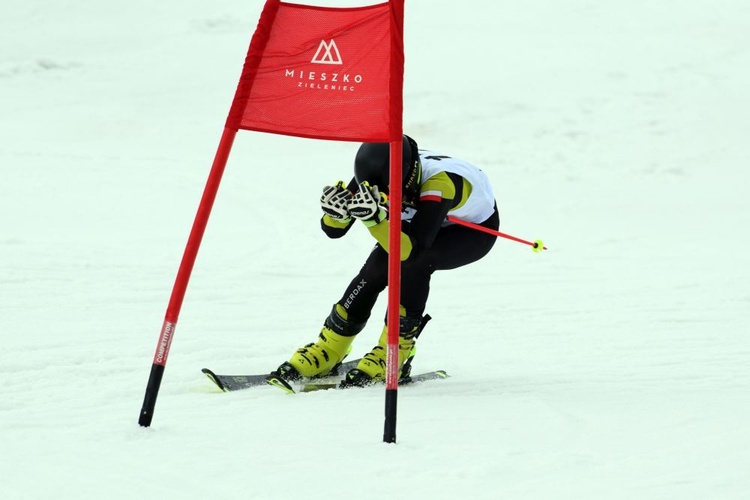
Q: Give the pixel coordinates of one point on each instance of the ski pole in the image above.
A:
(536, 246)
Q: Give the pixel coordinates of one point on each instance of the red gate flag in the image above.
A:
(318, 72)
(323, 73)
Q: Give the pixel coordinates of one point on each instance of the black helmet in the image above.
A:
(372, 164)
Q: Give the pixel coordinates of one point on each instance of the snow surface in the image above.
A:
(614, 366)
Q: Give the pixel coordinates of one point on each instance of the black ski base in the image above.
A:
(343, 384)
(230, 383)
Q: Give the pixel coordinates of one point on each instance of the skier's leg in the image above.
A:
(347, 318)
(454, 246)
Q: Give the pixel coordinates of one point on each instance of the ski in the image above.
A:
(412, 379)
(230, 383)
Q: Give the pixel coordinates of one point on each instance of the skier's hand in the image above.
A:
(335, 201)
(368, 205)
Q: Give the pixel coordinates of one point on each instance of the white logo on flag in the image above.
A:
(327, 53)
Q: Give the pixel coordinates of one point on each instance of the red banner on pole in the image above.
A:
(318, 72)
(323, 73)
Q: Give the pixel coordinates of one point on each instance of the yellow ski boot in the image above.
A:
(372, 367)
(323, 357)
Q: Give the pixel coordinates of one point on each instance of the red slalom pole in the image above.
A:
(394, 297)
(396, 131)
(183, 276)
(536, 246)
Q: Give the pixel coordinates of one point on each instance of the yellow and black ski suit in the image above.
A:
(428, 243)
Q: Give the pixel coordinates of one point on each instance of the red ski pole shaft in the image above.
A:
(536, 245)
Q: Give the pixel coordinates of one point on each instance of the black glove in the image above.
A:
(335, 201)
(368, 205)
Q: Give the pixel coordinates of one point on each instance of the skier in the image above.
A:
(434, 186)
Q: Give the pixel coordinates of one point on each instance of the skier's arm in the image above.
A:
(334, 228)
(438, 195)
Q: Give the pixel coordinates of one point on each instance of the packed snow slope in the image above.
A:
(613, 366)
